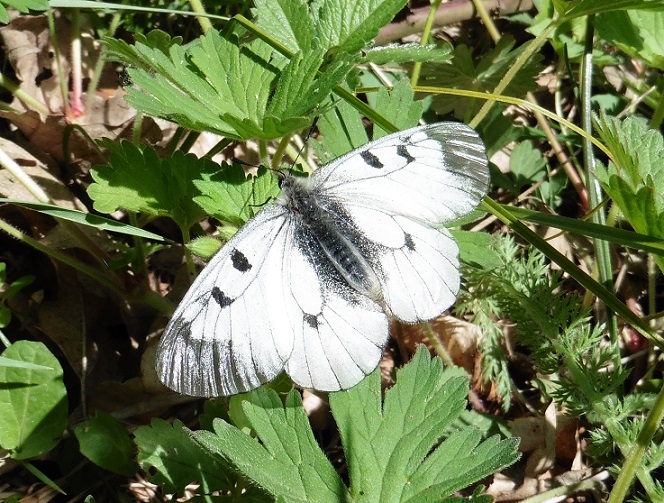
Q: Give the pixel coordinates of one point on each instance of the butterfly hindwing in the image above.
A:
(342, 333)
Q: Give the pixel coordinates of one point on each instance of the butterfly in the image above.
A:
(308, 285)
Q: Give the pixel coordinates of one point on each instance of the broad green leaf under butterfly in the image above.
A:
(391, 448)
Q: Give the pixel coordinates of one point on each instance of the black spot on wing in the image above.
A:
(221, 298)
(240, 261)
(311, 320)
(371, 159)
(410, 244)
(402, 151)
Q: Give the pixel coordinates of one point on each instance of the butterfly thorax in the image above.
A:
(326, 226)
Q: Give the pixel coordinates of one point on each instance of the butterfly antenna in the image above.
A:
(312, 128)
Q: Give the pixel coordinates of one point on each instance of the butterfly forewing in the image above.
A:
(307, 284)
(435, 173)
(232, 330)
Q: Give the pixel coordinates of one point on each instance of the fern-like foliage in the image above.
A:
(553, 323)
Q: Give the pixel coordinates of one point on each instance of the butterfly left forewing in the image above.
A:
(230, 333)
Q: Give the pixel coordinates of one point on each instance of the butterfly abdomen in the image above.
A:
(326, 228)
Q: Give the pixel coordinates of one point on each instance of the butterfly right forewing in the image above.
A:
(434, 173)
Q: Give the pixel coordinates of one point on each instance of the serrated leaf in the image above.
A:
(88, 219)
(287, 21)
(289, 462)
(119, 50)
(465, 73)
(221, 77)
(168, 452)
(403, 53)
(398, 106)
(234, 88)
(636, 32)
(137, 180)
(231, 196)
(105, 442)
(300, 89)
(389, 447)
(637, 184)
(33, 402)
(348, 25)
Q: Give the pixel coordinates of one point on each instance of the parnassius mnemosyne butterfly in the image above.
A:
(307, 285)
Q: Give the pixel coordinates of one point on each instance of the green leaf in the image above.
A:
(289, 463)
(342, 130)
(476, 248)
(83, 218)
(348, 25)
(205, 246)
(483, 75)
(137, 180)
(580, 8)
(220, 78)
(637, 184)
(398, 106)
(287, 21)
(526, 165)
(402, 53)
(168, 452)
(119, 50)
(33, 402)
(23, 6)
(234, 88)
(231, 196)
(392, 448)
(300, 89)
(105, 442)
(389, 447)
(636, 32)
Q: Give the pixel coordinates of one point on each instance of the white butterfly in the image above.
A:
(307, 285)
